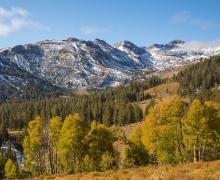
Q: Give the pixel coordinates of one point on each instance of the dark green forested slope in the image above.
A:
(199, 77)
(110, 106)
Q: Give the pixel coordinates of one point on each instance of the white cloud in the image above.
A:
(16, 18)
(13, 11)
(89, 30)
(185, 17)
(201, 44)
(181, 17)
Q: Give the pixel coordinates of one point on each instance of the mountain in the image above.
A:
(16, 83)
(77, 64)
(177, 53)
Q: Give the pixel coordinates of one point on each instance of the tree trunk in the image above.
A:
(194, 152)
(203, 151)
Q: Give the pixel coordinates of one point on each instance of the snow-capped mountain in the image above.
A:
(74, 63)
(177, 53)
(16, 83)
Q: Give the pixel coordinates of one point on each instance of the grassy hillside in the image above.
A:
(207, 170)
(165, 92)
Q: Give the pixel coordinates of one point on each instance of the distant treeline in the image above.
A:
(110, 106)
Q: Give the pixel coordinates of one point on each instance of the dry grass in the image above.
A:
(167, 74)
(15, 133)
(127, 129)
(164, 91)
(198, 171)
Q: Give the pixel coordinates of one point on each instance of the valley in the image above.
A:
(122, 114)
(115, 90)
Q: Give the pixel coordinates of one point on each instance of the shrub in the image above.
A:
(107, 161)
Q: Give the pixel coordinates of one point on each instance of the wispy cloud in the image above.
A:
(201, 44)
(17, 18)
(185, 17)
(89, 30)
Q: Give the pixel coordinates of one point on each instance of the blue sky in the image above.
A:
(143, 22)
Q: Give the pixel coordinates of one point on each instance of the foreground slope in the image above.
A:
(202, 170)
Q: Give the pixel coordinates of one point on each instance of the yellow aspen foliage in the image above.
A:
(33, 145)
(53, 138)
(135, 154)
(151, 122)
(136, 135)
(162, 131)
(10, 169)
(55, 129)
(201, 128)
(70, 145)
(100, 140)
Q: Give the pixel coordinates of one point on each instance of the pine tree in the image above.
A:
(2, 165)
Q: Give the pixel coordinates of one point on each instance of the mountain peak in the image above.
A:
(129, 46)
(104, 45)
(76, 63)
(124, 43)
(71, 39)
(176, 42)
(99, 40)
(170, 45)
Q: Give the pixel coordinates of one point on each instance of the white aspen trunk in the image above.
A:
(194, 153)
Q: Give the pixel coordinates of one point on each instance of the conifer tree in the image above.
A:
(2, 165)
